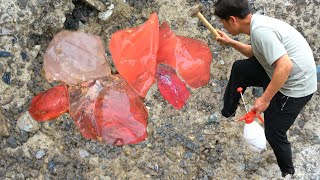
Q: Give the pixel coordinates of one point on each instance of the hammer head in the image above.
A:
(194, 10)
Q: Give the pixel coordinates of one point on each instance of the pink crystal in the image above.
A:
(74, 57)
(109, 109)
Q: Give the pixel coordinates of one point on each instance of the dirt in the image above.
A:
(192, 143)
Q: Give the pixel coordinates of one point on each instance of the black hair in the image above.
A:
(226, 8)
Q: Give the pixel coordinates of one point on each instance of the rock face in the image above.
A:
(74, 57)
(109, 110)
(23, 30)
(192, 143)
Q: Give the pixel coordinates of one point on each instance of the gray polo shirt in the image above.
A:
(271, 39)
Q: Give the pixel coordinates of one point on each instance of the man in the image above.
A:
(280, 61)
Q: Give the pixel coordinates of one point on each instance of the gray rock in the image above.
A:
(3, 126)
(83, 153)
(213, 118)
(209, 132)
(216, 87)
(106, 14)
(4, 31)
(34, 173)
(5, 54)
(52, 167)
(171, 154)
(20, 176)
(257, 91)
(301, 123)
(26, 123)
(40, 154)
(35, 22)
(12, 142)
(97, 4)
(24, 136)
(64, 160)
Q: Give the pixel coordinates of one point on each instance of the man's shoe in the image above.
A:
(287, 176)
(227, 114)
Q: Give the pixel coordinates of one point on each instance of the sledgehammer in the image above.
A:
(195, 11)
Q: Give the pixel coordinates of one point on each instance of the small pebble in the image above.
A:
(26, 123)
(51, 167)
(19, 73)
(4, 31)
(257, 91)
(213, 118)
(156, 167)
(216, 89)
(34, 173)
(83, 153)
(1, 68)
(13, 41)
(11, 142)
(24, 56)
(5, 54)
(301, 123)
(24, 136)
(6, 77)
(40, 154)
(30, 84)
(66, 125)
(38, 79)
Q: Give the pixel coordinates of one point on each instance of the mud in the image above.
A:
(192, 143)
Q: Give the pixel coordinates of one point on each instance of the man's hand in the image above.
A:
(245, 49)
(224, 39)
(283, 67)
(260, 105)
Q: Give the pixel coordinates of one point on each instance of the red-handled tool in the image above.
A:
(250, 115)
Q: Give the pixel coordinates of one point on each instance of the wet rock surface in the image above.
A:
(192, 143)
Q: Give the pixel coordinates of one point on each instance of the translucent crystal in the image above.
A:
(171, 87)
(190, 57)
(50, 104)
(108, 109)
(134, 52)
(74, 57)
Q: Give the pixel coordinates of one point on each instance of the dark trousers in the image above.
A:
(278, 117)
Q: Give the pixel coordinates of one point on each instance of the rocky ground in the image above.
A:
(193, 143)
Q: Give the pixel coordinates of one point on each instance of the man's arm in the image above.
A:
(244, 49)
(283, 67)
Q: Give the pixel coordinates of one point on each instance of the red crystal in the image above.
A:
(50, 104)
(190, 57)
(109, 109)
(171, 87)
(134, 52)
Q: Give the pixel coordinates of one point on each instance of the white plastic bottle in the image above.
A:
(253, 133)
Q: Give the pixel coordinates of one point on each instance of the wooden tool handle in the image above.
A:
(208, 25)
